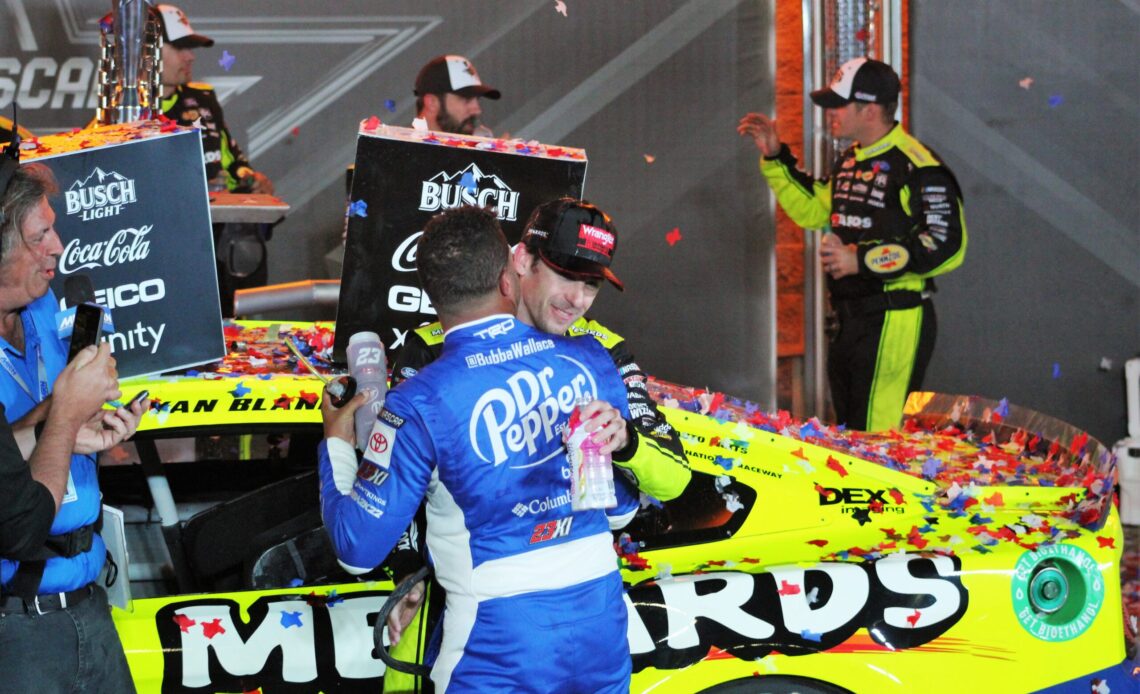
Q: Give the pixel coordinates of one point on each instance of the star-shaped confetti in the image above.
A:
(240, 390)
(673, 236)
(227, 60)
(788, 588)
(862, 515)
(560, 7)
(213, 628)
(358, 208)
(184, 623)
(290, 619)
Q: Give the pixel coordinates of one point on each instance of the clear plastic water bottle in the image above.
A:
(592, 478)
(369, 367)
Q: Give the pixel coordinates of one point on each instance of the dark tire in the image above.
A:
(775, 684)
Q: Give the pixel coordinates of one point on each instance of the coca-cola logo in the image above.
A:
(124, 246)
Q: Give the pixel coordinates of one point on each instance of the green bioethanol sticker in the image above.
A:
(1057, 592)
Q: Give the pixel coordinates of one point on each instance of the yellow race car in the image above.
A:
(975, 549)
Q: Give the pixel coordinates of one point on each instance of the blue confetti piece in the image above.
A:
(1056, 370)
(959, 502)
(358, 208)
(332, 598)
(468, 182)
(809, 430)
(958, 514)
(1045, 482)
(193, 373)
(979, 519)
(296, 583)
(654, 502)
(726, 463)
(843, 554)
(227, 60)
(1003, 407)
(240, 390)
(981, 549)
(751, 408)
(264, 377)
(390, 104)
(290, 619)
(809, 635)
(928, 505)
(1056, 100)
(926, 529)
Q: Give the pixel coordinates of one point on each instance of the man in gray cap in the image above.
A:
(447, 91)
(895, 217)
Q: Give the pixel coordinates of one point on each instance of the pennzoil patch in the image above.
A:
(885, 259)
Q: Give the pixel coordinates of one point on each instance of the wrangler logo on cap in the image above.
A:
(595, 239)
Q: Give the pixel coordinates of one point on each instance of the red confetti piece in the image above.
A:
(897, 496)
(995, 499)
(749, 560)
(184, 623)
(876, 506)
(372, 123)
(295, 131)
(836, 466)
(789, 588)
(716, 562)
(213, 628)
(309, 398)
(818, 543)
(1106, 541)
(799, 453)
(282, 402)
(673, 236)
(913, 619)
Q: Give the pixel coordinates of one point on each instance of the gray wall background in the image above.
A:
(620, 79)
(1053, 269)
(1052, 275)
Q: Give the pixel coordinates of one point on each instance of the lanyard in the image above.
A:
(30, 336)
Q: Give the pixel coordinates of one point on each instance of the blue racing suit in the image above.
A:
(534, 598)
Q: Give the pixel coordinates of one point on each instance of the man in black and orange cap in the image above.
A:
(565, 256)
(447, 91)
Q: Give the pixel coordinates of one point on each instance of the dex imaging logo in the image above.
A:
(470, 186)
(101, 194)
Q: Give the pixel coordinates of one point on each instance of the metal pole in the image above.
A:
(814, 338)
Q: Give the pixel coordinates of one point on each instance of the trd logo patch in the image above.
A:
(551, 529)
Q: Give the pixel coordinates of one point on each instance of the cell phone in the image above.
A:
(87, 329)
(141, 395)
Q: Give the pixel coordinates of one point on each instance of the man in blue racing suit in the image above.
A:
(479, 432)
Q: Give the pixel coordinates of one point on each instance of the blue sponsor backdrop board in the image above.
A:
(133, 215)
(402, 178)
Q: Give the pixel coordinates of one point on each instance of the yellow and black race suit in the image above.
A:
(902, 209)
(196, 104)
(654, 460)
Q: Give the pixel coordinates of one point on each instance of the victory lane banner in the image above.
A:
(402, 178)
(133, 215)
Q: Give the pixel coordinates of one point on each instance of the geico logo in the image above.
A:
(409, 300)
(674, 621)
(131, 294)
(404, 259)
(33, 86)
(527, 412)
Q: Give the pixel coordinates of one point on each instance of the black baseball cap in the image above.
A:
(176, 28)
(573, 238)
(860, 79)
(452, 73)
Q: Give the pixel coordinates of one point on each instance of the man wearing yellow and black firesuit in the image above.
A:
(895, 214)
(196, 104)
(562, 261)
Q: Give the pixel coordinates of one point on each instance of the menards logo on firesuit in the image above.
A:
(470, 186)
(525, 412)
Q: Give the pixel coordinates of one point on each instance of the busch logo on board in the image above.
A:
(124, 246)
(526, 413)
(101, 194)
(470, 186)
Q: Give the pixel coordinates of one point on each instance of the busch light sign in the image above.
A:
(401, 179)
(140, 243)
